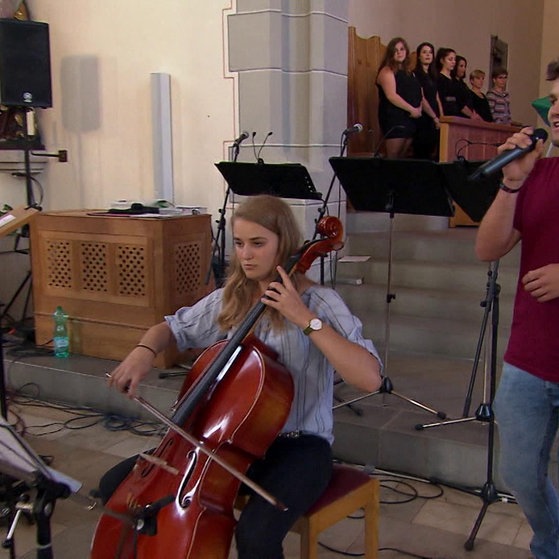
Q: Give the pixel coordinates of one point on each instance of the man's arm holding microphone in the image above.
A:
(496, 234)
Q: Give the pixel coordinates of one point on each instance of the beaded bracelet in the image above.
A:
(149, 348)
(504, 187)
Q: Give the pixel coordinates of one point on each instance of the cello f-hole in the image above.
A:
(184, 497)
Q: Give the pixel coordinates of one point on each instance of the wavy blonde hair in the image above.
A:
(239, 292)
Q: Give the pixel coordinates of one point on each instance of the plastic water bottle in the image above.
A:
(60, 337)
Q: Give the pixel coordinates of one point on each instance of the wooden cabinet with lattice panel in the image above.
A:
(116, 276)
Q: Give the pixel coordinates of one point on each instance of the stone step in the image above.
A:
(429, 337)
(449, 245)
(441, 338)
(369, 301)
(379, 221)
(440, 288)
(427, 275)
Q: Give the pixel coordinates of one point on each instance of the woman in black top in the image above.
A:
(459, 73)
(479, 100)
(447, 86)
(400, 99)
(426, 137)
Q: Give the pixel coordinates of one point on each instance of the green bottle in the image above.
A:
(60, 337)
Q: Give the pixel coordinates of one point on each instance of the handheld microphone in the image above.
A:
(504, 158)
(357, 127)
(240, 139)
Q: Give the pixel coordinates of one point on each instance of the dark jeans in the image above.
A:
(295, 470)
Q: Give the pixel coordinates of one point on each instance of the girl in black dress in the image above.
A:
(426, 137)
(479, 100)
(400, 99)
(447, 86)
(459, 73)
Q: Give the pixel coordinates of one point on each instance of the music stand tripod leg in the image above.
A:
(3, 400)
(387, 387)
(488, 493)
(491, 299)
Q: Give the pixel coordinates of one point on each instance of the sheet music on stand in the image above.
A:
(20, 461)
(286, 180)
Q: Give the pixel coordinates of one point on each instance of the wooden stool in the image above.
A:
(349, 490)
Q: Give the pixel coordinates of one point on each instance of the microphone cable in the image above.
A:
(467, 143)
(386, 136)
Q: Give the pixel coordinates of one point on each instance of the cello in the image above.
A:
(178, 502)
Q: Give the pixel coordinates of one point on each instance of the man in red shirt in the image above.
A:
(526, 209)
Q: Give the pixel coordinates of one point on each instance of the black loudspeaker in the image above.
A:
(25, 79)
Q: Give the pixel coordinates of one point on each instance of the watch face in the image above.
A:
(316, 324)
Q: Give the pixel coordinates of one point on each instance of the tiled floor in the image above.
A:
(417, 519)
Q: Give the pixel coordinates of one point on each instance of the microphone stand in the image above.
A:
(321, 213)
(258, 158)
(322, 210)
(3, 399)
(218, 252)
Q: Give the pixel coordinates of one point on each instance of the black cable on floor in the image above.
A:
(411, 496)
(85, 417)
(406, 553)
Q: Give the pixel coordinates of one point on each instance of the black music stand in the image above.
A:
(474, 197)
(408, 186)
(19, 460)
(286, 180)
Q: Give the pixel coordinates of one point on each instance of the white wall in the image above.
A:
(102, 56)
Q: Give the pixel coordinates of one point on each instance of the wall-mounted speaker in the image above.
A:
(25, 79)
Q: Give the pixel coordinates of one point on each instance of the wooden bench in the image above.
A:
(348, 491)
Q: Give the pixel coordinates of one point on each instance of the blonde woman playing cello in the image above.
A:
(313, 333)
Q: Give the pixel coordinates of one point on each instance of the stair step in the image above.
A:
(380, 221)
(370, 300)
(439, 286)
(449, 245)
(428, 275)
(442, 337)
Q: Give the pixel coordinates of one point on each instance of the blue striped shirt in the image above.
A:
(313, 375)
